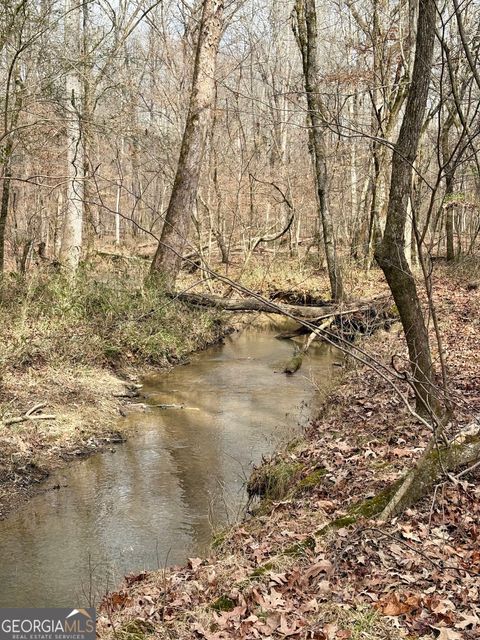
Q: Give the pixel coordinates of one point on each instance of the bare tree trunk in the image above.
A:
(390, 253)
(7, 165)
(4, 202)
(119, 193)
(409, 233)
(72, 230)
(449, 161)
(306, 35)
(450, 215)
(89, 214)
(168, 258)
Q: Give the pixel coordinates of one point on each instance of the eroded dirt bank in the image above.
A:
(86, 421)
(283, 573)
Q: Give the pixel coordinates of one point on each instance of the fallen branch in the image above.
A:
(32, 414)
(120, 256)
(251, 304)
(36, 408)
(294, 364)
(358, 319)
(167, 406)
(127, 395)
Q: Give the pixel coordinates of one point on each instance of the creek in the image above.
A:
(156, 499)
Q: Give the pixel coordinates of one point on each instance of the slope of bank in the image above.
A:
(284, 573)
(69, 359)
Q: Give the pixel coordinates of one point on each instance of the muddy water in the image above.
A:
(153, 502)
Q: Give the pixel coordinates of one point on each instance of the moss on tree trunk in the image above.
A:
(436, 461)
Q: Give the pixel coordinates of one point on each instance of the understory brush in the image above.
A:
(68, 350)
(113, 320)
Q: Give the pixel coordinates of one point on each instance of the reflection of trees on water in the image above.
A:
(154, 499)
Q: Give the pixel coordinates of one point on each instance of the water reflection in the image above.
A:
(154, 501)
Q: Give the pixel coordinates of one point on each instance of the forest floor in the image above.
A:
(282, 573)
(74, 351)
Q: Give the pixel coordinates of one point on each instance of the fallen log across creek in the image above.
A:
(348, 320)
(252, 304)
(371, 308)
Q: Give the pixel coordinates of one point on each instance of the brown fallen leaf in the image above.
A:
(448, 634)
(330, 630)
(194, 563)
(286, 630)
(468, 620)
(392, 605)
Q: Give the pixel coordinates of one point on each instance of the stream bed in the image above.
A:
(156, 499)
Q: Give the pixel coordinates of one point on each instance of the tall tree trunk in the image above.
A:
(4, 201)
(307, 39)
(7, 163)
(449, 161)
(72, 230)
(450, 214)
(90, 213)
(390, 253)
(168, 257)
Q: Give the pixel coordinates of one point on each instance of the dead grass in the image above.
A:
(72, 348)
(86, 420)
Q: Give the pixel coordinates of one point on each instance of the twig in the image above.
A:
(35, 408)
(465, 471)
(439, 565)
(167, 406)
(25, 418)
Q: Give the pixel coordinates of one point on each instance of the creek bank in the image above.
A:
(155, 500)
(286, 573)
(88, 403)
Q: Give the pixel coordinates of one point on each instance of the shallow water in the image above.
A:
(153, 502)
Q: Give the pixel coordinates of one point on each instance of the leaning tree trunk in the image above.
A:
(168, 258)
(307, 37)
(73, 223)
(390, 253)
(436, 461)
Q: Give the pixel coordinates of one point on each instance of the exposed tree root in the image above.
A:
(437, 460)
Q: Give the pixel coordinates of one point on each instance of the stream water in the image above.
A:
(154, 501)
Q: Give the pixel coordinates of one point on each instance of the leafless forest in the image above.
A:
(96, 97)
(167, 165)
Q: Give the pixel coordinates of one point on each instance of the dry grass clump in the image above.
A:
(105, 319)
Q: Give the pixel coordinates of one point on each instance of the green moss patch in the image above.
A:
(310, 481)
(262, 569)
(223, 603)
(300, 548)
(364, 509)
